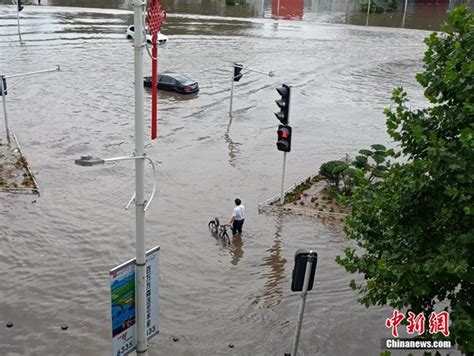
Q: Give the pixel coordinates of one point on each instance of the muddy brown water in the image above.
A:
(56, 251)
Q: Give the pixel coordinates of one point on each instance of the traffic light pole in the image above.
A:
(231, 92)
(3, 81)
(304, 293)
(282, 198)
(140, 281)
(18, 20)
(5, 107)
(270, 74)
(58, 68)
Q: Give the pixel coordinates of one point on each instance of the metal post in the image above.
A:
(3, 91)
(142, 342)
(58, 68)
(404, 13)
(5, 109)
(307, 274)
(368, 12)
(18, 19)
(231, 92)
(270, 74)
(282, 197)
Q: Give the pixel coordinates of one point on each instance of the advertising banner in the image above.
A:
(122, 282)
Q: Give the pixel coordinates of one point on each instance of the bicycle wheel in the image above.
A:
(212, 226)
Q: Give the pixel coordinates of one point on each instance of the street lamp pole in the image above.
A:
(140, 299)
(18, 20)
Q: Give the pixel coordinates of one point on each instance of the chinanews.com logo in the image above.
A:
(437, 323)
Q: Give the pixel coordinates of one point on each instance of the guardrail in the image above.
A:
(22, 190)
(269, 206)
(277, 197)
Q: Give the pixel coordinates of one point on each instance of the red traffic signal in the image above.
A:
(283, 104)
(284, 138)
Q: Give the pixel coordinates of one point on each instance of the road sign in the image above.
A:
(122, 282)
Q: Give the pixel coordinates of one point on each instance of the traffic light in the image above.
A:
(237, 70)
(284, 138)
(299, 270)
(283, 104)
(20, 5)
(4, 86)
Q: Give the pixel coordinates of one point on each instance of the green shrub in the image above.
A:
(332, 171)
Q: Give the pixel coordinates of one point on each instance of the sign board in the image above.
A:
(122, 283)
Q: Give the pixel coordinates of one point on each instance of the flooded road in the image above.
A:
(55, 253)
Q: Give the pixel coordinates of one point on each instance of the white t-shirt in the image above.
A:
(239, 212)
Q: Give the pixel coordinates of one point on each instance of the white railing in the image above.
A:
(277, 197)
(269, 206)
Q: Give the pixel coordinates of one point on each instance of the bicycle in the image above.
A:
(218, 229)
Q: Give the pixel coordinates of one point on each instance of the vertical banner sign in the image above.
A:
(122, 282)
(155, 16)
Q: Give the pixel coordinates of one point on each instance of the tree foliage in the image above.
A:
(416, 225)
(332, 171)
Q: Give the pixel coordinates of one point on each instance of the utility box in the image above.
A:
(301, 258)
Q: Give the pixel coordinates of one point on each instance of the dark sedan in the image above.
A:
(174, 82)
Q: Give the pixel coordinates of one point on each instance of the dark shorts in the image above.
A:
(237, 226)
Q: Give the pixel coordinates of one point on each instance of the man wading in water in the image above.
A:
(238, 216)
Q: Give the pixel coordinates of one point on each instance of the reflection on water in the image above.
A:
(55, 254)
(236, 250)
(418, 14)
(232, 146)
(273, 290)
(287, 9)
(231, 243)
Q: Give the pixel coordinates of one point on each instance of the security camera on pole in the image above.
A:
(284, 130)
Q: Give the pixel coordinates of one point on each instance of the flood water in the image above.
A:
(56, 250)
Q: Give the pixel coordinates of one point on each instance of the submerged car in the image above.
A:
(176, 82)
(131, 35)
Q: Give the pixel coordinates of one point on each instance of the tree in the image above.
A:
(332, 171)
(415, 227)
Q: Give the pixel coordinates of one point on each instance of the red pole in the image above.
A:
(154, 94)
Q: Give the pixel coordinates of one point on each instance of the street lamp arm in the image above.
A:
(123, 158)
(88, 161)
